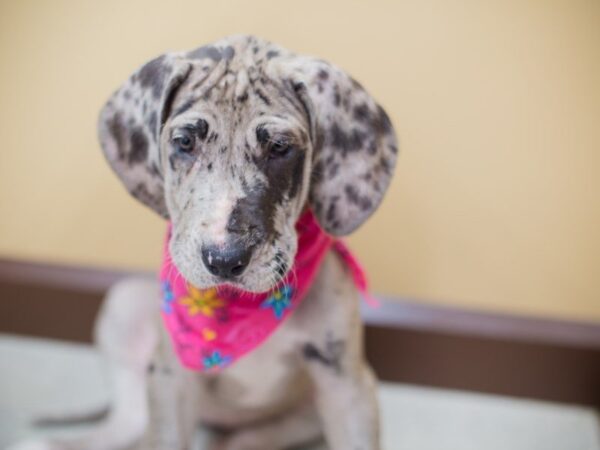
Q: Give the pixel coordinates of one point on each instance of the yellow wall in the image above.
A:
(496, 203)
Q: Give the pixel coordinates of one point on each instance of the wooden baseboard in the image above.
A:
(405, 341)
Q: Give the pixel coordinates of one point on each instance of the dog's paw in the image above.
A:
(31, 445)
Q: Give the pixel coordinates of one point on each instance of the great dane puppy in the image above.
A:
(232, 142)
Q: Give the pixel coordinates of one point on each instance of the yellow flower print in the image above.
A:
(209, 334)
(202, 301)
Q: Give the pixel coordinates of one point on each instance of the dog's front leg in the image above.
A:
(346, 400)
(332, 351)
(171, 400)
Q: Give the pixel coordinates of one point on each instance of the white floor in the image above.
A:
(40, 375)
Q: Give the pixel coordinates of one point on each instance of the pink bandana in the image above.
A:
(212, 328)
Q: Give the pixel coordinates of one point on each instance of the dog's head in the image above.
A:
(233, 140)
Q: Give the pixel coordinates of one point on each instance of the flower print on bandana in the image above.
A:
(215, 360)
(209, 334)
(168, 296)
(280, 301)
(202, 301)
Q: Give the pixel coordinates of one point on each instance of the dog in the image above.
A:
(232, 142)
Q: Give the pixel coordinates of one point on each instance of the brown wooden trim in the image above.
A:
(62, 276)
(420, 316)
(405, 341)
(52, 300)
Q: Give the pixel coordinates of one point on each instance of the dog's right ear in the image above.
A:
(130, 123)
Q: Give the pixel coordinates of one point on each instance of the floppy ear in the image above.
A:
(130, 123)
(354, 143)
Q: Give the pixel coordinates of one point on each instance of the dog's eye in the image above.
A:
(184, 142)
(279, 149)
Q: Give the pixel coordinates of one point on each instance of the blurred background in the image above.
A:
(495, 206)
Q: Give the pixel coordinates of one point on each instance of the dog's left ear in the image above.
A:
(354, 143)
(130, 123)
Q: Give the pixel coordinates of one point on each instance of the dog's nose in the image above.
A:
(228, 262)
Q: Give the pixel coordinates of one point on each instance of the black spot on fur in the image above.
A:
(208, 51)
(272, 54)
(363, 202)
(337, 98)
(331, 211)
(152, 123)
(138, 151)
(262, 135)
(383, 123)
(323, 74)
(209, 167)
(384, 165)
(153, 75)
(361, 113)
(330, 356)
(262, 96)
(201, 129)
(297, 171)
(117, 130)
(173, 161)
(228, 52)
(186, 106)
(346, 141)
(213, 137)
(317, 172)
(243, 97)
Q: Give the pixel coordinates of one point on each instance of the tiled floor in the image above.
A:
(40, 375)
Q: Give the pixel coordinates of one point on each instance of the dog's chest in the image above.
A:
(261, 382)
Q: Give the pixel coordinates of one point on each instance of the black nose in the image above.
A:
(226, 262)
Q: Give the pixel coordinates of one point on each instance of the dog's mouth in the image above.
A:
(254, 285)
(233, 290)
(260, 278)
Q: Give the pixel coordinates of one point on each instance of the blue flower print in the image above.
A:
(168, 297)
(280, 301)
(215, 360)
